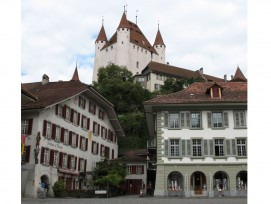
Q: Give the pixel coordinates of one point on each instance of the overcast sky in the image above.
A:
(198, 33)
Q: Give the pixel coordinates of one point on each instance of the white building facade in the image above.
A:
(128, 47)
(201, 135)
(67, 130)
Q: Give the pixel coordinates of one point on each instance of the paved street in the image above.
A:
(136, 200)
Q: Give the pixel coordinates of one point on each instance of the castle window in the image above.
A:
(111, 47)
(137, 64)
(122, 28)
(121, 42)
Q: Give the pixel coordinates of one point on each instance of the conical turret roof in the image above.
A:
(239, 76)
(124, 22)
(75, 76)
(159, 39)
(102, 35)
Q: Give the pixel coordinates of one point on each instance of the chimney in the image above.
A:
(45, 79)
(201, 71)
(225, 77)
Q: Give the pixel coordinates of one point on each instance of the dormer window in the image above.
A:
(215, 91)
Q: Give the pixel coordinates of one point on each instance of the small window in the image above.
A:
(196, 147)
(219, 147)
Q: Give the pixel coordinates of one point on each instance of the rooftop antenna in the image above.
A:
(136, 16)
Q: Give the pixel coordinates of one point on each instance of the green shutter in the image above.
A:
(209, 116)
(180, 147)
(205, 147)
(188, 120)
(166, 119)
(211, 148)
(237, 119)
(228, 147)
(233, 147)
(188, 148)
(166, 148)
(182, 120)
(183, 147)
(226, 122)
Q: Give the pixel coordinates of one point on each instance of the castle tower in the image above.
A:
(99, 44)
(160, 47)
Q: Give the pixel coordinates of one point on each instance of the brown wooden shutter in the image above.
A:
(64, 111)
(62, 135)
(77, 140)
(93, 128)
(42, 155)
(78, 119)
(56, 109)
(142, 169)
(72, 113)
(69, 161)
(101, 150)
(30, 123)
(60, 159)
(113, 154)
(133, 169)
(94, 109)
(80, 145)
(102, 130)
(82, 120)
(44, 128)
(97, 149)
(53, 131)
(27, 154)
(51, 162)
(88, 123)
(75, 163)
(70, 138)
(85, 166)
(92, 147)
(86, 141)
(79, 161)
(98, 129)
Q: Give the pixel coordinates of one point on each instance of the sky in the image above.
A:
(58, 35)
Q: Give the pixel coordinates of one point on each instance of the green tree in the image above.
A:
(109, 174)
(59, 189)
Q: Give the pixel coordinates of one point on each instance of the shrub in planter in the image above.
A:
(59, 189)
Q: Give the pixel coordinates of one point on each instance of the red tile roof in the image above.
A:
(177, 72)
(134, 155)
(233, 92)
(159, 39)
(102, 35)
(239, 76)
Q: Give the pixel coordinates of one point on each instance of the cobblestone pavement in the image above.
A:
(136, 200)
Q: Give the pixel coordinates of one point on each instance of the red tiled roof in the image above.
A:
(134, 155)
(136, 36)
(233, 92)
(239, 76)
(75, 76)
(159, 39)
(102, 35)
(176, 71)
(52, 93)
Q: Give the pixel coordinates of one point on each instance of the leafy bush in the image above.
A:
(59, 189)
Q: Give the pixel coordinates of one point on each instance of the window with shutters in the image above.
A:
(196, 147)
(68, 114)
(101, 114)
(241, 147)
(185, 119)
(195, 120)
(138, 169)
(218, 120)
(59, 110)
(129, 169)
(46, 157)
(104, 133)
(56, 156)
(95, 147)
(81, 165)
(92, 108)
(73, 140)
(66, 137)
(219, 147)
(57, 136)
(72, 163)
(82, 102)
(84, 122)
(239, 119)
(48, 130)
(83, 143)
(26, 126)
(102, 150)
(96, 127)
(75, 118)
(65, 161)
(174, 120)
(174, 147)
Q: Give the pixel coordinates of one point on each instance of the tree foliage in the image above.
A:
(109, 174)
(116, 85)
(59, 189)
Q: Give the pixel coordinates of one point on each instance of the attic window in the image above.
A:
(215, 91)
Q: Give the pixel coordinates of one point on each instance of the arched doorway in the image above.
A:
(175, 184)
(221, 181)
(44, 180)
(198, 182)
(241, 180)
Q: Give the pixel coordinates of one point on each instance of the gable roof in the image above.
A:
(233, 92)
(136, 35)
(177, 72)
(53, 93)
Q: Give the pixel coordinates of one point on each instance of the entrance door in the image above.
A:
(133, 186)
(198, 182)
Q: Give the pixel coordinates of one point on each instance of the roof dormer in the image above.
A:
(215, 91)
